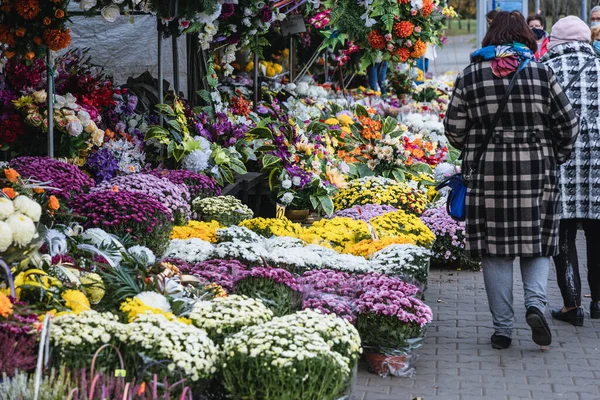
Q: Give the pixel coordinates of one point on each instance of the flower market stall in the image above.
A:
(137, 264)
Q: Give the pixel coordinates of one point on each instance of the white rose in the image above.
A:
(98, 137)
(22, 227)
(118, 1)
(25, 205)
(287, 198)
(6, 236)
(84, 117)
(91, 127)
(110, 13)
(87, 5)
(286, 184)
(40, 96)
(75, 128)
(6, 208)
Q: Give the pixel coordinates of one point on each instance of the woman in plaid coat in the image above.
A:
(569, 53)
(512, 204)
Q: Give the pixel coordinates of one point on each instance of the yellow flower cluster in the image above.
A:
(134, 307)
(76, 301)
(367, 247)
(449, 12)
(400, 223)
(337, 232)
(197, 229)
(380, 191)
(429, 188)
(6, 307)
(273, 227)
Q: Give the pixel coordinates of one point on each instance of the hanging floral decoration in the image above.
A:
(29, 28)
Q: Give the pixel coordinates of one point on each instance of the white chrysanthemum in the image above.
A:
(143, 253)
(155, 300)
(6, 236)
(31, 208)
(6, 208)
(23, 229)
(197, 161)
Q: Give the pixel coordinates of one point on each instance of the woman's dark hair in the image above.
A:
(508, 28)
(537, 17)
(491, 15)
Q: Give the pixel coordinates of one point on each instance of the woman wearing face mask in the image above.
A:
(537, 24)
(577, 70)
(596, 38)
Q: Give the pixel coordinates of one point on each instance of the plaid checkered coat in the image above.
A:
(580, 175)
(513, 200)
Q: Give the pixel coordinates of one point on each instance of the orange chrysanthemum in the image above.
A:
(403, 29)
(11, 174)
(403, 54)
(6, 36)
(419, 49)
(37, 40)
(28, 9)
(376, 40)
(21, 31)
(10, 192)
(53, 203)
(30, 55)
(59, 13)
(57, 39)
(6, 306)
(427, 7)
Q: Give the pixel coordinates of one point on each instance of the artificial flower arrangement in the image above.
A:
(225, 316)
(30, 29)
(449, 246)
(379, 190)
(171, 195)
(183, 136)
(291, 368)
(226, 210)
(387, 29)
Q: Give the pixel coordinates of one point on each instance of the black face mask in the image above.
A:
(538, 33)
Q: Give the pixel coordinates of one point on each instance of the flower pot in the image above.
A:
(384, 365)
(296, 215)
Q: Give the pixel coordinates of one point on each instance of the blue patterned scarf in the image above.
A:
(504, 59)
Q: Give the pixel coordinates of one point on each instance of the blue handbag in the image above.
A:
(458, 183)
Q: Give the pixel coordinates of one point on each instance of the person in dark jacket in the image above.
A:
(570, 53)
(513, 197)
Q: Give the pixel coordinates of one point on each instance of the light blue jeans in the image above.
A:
(498, 278)
(377, 75)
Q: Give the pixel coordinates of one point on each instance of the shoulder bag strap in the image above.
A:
(578, 74)
(490, 131)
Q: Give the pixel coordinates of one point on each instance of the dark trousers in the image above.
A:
(567, 264)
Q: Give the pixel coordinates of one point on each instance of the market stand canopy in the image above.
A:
(397, 30)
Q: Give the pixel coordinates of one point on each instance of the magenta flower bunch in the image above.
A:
(365, 212)
(388, 319)
(276, 287)
(199, 186)
(173, 196)
(329, 281)
(135, 214)
(449, 247)
(374, 281)
(331, 304)
(67, 178)
(221, 272)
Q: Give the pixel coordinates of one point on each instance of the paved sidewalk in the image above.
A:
(457, 361)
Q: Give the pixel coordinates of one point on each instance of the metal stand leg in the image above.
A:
(50, 99)
(175, 44)
(256, 83)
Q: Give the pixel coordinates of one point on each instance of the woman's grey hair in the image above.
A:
(595, 9)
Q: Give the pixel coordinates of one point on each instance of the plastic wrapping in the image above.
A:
(395, 362)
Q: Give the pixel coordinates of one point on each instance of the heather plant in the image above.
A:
(17, 353)
(137, 215)
(67, 180)
(173, 196)
(275, 287)
(217, 271)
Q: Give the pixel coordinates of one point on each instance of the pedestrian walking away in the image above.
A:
(577, 69)
(512, 203)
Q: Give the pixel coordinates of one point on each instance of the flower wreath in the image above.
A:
(29, 28)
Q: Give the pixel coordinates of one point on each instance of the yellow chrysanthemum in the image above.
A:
(76, 301)
(134, 307)
(400, 223)
(6, 307)
(94, 287)
(367, 247)
(197, 229)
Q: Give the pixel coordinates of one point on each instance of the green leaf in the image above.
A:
(270, 161)
(398, 175)
(237, 166)
(205, 95)
(266, 148)
(326, 204)
(363, 170)
(260, 132)
(389, 125)
(178, 154)
(272, 177)
(388, 21)
(421, 168)
(175, 125)
(361, 111)
(156, 132)
(227, 174)
(165, 109)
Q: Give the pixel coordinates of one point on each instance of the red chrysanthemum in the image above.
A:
(376, 40)
(403, 29)
(427, 7)
(403, 54)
